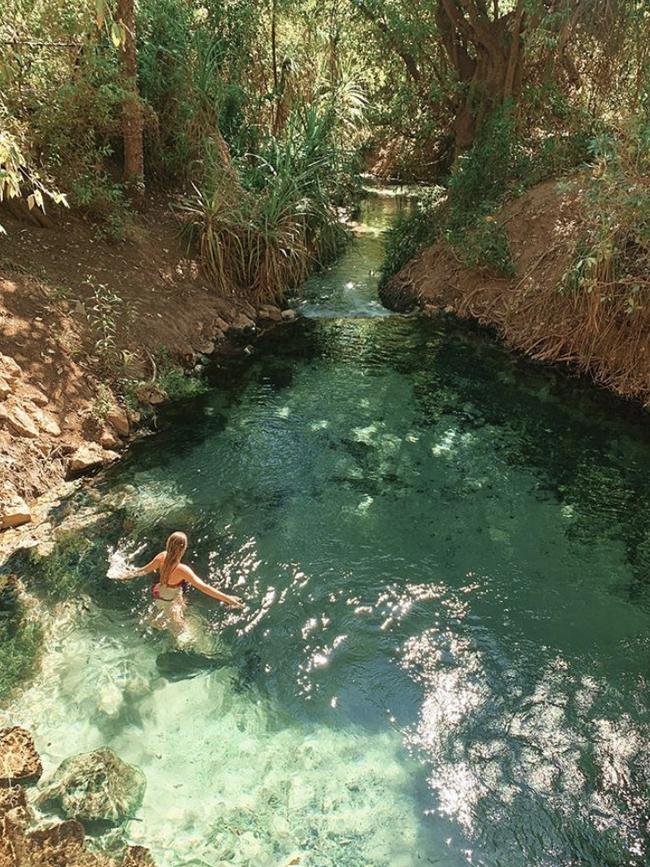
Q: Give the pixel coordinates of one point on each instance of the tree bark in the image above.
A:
(132, 120)
(486, 54)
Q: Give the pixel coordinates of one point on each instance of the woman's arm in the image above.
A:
(197, 582)
(151, 566)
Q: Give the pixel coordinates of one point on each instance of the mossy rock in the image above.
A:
(97, 787)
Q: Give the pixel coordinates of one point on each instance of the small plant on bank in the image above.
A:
(102, 316)
(174, 380)
(102, 402)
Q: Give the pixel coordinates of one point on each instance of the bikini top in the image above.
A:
(181, 587)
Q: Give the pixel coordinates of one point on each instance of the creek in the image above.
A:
(445, 554)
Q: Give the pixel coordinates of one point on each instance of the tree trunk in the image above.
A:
(132, 121)
(486, 54)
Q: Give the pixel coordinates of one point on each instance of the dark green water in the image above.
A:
(445, 552)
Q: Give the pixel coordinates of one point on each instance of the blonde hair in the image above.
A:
(175, 548)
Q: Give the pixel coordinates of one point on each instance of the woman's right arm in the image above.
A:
(151, 566)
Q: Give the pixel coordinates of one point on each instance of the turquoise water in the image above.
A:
(444, 659)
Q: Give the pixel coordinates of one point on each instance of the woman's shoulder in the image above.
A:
(183, 571)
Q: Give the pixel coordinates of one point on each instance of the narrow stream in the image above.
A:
(445, 552)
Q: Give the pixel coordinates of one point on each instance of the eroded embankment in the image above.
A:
(84, 324)
(597, 332)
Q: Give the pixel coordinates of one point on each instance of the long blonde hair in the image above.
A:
(175, 548)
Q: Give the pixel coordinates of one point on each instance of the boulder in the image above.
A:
(9, 369)
(270, 312)
(108, 440)
(89, 456)
(14, 511)
(221, 325)
(119, 420)
(61, 844)
(242, 324)
(19, 761)
(96, 786)
(18, 420)
(248, 310)
(38, 397)
(289, 315)
(205, 347)
(5, 388)
(150, 393)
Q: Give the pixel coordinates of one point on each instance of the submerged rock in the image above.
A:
(182, 664)
(96, 786)
(138, 856)
(19, 761)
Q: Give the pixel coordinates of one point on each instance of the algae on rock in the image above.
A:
(96, 786)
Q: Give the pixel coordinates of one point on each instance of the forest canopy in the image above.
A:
(260, 116)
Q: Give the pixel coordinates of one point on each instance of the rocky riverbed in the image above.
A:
(97, 787)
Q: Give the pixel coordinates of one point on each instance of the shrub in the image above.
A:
(262, 226)
(500, 164)
(412, 231)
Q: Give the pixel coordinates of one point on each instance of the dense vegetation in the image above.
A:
(259, 116)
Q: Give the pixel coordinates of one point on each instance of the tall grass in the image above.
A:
(263, 232)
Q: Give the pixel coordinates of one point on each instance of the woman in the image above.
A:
(173, 577)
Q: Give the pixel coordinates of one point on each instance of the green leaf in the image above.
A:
(116, 34)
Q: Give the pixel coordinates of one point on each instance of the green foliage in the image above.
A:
(21, 640)
(102, 313)
(412, 231)
(265, 224)
(18, 179)
(501, 163)
(103, 402)
(612, 254)
(178, 384)
(484, 245)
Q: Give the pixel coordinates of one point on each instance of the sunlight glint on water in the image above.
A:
(445, 554)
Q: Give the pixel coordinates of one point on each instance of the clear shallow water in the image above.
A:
(446, 558)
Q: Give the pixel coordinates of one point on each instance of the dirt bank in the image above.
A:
(598, 335)
(86, 329)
